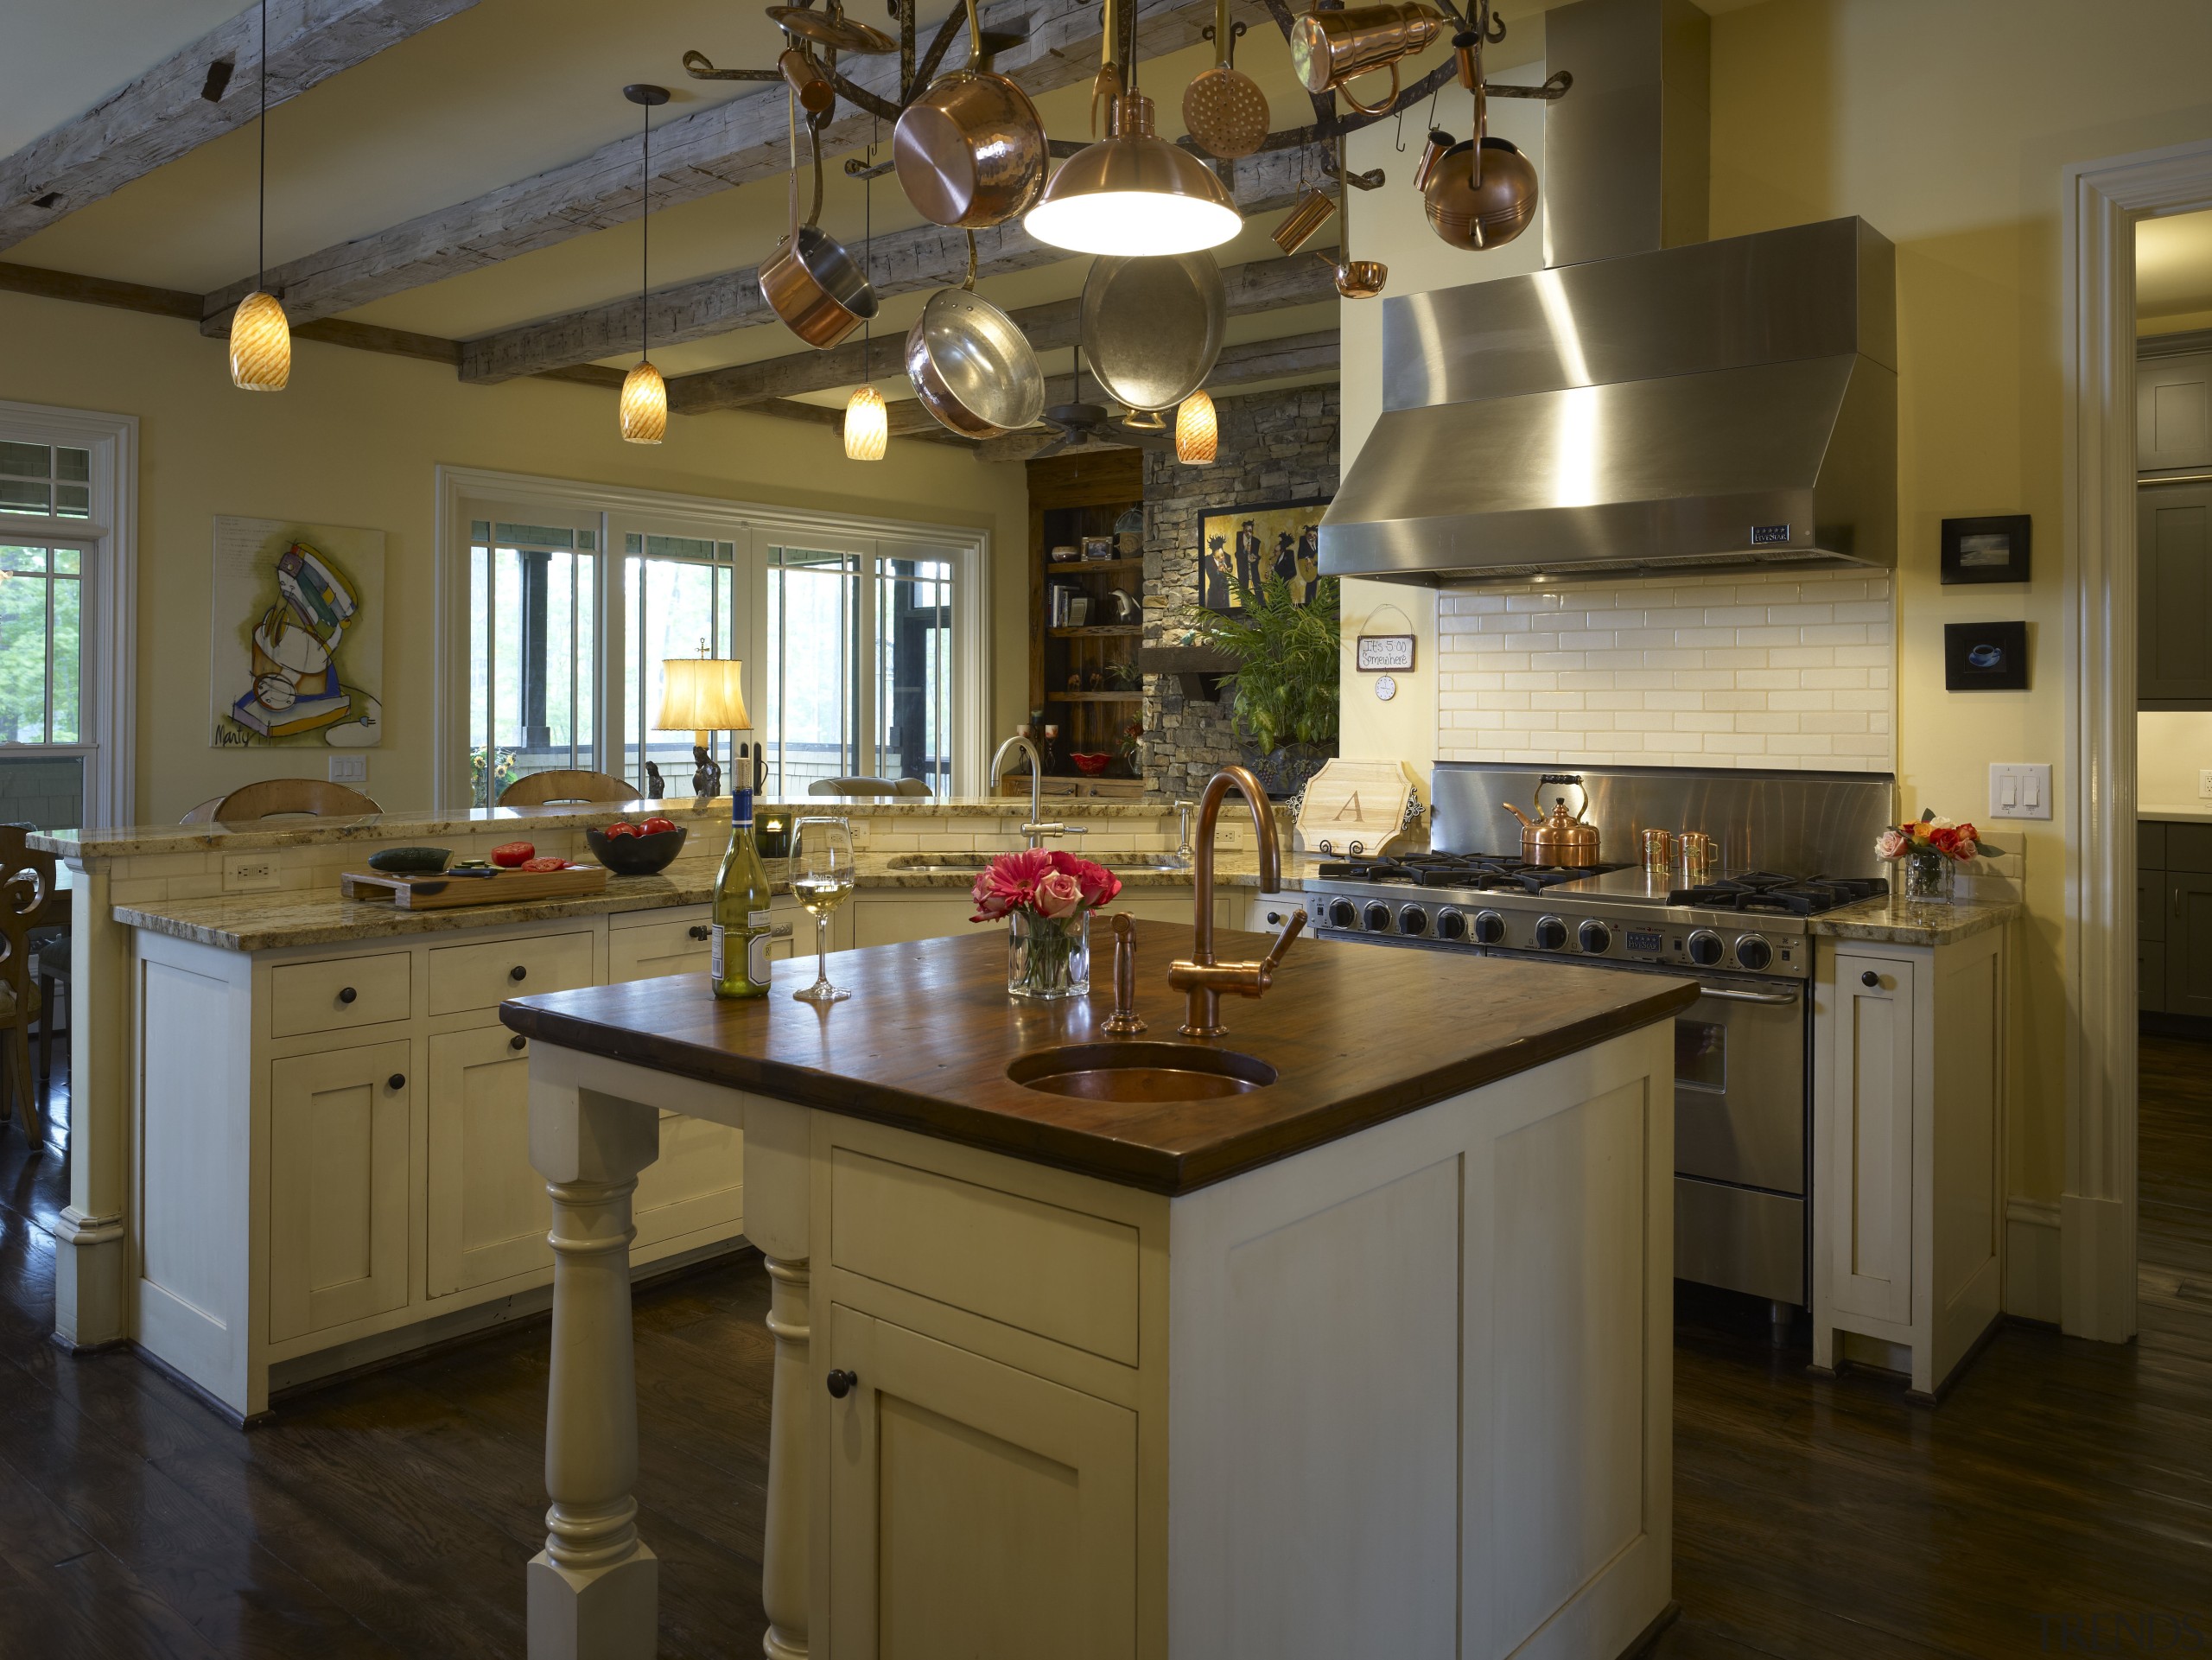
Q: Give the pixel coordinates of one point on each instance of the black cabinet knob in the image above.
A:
(517, 972)
(397, 1081)
(347, 993)
(517, 1041)
(841, 1383)
(1870, 979)
(701, 930)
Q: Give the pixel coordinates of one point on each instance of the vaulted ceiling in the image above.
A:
(461, 178)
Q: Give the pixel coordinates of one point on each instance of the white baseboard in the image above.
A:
(2032, 1273)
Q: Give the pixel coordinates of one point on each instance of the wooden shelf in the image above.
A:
(1098, 630)
(1094, 697)
(1055, 567)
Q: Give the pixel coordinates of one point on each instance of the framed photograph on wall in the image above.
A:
(1987, 549)
(1239, 547)
(1985, 657)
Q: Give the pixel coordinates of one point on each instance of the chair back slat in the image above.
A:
(542, 789)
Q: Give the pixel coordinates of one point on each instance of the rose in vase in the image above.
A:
(1045, 899)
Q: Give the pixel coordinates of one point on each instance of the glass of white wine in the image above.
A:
(821, 879)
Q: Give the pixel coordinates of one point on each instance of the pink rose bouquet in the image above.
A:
(1047, 898)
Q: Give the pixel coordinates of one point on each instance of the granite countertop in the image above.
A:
(1893, 921)
(273, 922)
(1355, 1036)
(125, 841)
(2197, 815)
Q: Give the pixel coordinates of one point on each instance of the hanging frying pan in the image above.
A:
(970, 151)
(972, 368)
(830, 28)
(810, 282)
(1152, 327)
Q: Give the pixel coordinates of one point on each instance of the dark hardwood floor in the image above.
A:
(2059, 1500)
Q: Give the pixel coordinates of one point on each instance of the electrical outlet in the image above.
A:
(249, 873)
(859, 829)
(2019, 790)
(2204, 781)
(349, 769)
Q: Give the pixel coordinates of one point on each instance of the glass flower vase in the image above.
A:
(1929, 877)
(1047, 958)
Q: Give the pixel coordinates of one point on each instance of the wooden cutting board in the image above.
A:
(1363, 801)
(500, 887)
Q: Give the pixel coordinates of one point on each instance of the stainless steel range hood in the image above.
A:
(1722, 404)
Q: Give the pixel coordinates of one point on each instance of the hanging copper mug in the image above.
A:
(1328, 48)
(1299, 225)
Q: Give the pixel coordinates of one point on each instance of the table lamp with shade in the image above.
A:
(704, 696)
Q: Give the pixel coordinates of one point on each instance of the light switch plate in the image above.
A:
(349, 769)
(2019, 790)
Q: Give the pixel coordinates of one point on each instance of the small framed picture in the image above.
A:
(1985, 657)
(1987, 549)
(1098, 547)
(1381, 653)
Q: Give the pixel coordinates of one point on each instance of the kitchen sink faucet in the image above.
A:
(1198, 975)
(1036, 830)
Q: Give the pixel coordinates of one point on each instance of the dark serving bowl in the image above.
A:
(637, 855)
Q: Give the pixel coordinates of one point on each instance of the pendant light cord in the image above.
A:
(261, 214)
(868, 247)
(645, 230)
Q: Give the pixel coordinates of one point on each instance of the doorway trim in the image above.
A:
(2103, 201)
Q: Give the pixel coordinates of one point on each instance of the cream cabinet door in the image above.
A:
(488, 1210)
(894, 918)
(338, 1138)
(977, 1512)
(1872, 1154)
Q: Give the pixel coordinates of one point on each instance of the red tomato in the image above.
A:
(619, 827)
(545, 864)
(658, 826)
(511, 855)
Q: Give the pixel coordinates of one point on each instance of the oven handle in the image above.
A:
(1778, 999)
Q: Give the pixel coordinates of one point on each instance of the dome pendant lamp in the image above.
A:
(261, 338)
(645, 394)
(867, 422)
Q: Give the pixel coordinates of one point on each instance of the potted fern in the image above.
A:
(1282, 692)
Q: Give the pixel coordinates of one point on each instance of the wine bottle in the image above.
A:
(741, 924)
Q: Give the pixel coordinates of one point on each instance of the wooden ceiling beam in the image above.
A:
(165, 112)
(729, 144)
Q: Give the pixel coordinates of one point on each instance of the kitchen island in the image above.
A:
(1373, 1358)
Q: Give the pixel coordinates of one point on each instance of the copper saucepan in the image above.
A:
(810, 282)
(1481, 194)
(970, 151)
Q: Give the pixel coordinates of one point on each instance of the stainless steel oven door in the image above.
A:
(1740, 1084)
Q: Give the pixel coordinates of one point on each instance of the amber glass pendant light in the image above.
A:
(868, 422)
(1198, 431)
(645, 394)
(261, 338)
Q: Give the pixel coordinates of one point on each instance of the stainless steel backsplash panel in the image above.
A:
(1799, 824)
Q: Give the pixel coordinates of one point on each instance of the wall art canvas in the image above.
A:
(1240, 546)
(298, 635)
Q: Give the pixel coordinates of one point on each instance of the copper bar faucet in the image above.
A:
(1199, 975)
(1124, 1021)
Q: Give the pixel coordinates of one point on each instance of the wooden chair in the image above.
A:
(274, 797)
(26, 884)
(542, 789)
(904, 786)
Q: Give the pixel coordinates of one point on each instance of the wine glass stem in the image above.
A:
(822, 949)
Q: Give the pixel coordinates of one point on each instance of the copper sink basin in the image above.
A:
(1141, 1072)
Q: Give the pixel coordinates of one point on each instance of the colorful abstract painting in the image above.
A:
(298, 635)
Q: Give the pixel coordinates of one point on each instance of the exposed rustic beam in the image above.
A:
(694, 155)
(164, 113)
(1263, 285)
(1238, 366)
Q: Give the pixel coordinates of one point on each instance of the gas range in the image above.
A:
(1750, 923)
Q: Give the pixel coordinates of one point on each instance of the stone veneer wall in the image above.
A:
(1274, 447)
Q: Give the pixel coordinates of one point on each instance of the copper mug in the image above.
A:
(1658, 853)
(1328, 48)
(1297, 227)
(1700, 855)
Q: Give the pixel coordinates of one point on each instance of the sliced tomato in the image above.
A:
(545, 864)
(658, 826)
(511, 855)
(618, 828)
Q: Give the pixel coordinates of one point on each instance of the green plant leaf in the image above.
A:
(1285, 687)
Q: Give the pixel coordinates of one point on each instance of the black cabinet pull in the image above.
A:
(397, 1081)
(1870, 979)
(517, 972)
(701, 930)
(841, 1383)
(347, 993)
(516, 1041)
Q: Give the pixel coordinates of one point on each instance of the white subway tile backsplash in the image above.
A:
(1671, 672)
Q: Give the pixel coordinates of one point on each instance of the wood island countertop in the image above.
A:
(1357, 1036)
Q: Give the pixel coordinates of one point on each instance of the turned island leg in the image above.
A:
(776, 1219)
(594, 1590)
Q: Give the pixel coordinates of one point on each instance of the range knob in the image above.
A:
(1377, 917)
(1342, 914)
(1412, 920)
(1753, 952)
(1451, 924)
(1490, 928)
(1551, 934)
(1595, 938)
(1705, 948)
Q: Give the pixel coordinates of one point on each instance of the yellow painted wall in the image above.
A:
(2171, 747)
(355, 441)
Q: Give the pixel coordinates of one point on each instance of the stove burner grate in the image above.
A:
(1483, 871)
(1762, 890)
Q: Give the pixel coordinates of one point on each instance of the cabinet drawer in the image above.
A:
(483, 976)
(677, 944)
(342, 993)
(1060, 1273)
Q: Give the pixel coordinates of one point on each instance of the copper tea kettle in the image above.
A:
(1559, 837)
